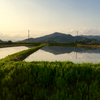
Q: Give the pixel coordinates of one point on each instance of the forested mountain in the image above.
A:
(1, 40)
(97, 37)
(53, 38)
(89, 40)
(60, 38)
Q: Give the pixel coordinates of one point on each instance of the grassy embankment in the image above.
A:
(88, 45)
(49, 81)
(37, 44)
(22, 54)
(18, 44)
(74, 45)
(4, 44)
(63, 44)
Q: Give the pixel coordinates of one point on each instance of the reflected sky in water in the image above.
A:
(10, 50)
(76, 55)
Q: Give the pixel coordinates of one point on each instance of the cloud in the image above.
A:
(94, 31)
(21, 35)
(6, 37)
(85, 31)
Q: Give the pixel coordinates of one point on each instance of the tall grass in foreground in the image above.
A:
(49, 81)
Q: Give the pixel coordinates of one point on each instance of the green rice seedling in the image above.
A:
(49, 80)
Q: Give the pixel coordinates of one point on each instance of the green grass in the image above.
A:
(63, 44)
(37, 44)
(28, 44)
(22, 54)
(49, 81)
(4, 44)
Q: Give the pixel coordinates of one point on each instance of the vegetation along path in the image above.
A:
(19, 56)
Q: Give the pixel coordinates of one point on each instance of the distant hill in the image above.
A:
(53, 38)
(97, 37)
(58, 38)
(89, 40)
(50, 41)
(1, 40)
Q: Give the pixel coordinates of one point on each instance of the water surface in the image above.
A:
(76, 55)
(10, 50)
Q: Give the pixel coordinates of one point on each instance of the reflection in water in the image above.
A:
(76, 52)
(76, 55)
(10, 50)
(61, 50)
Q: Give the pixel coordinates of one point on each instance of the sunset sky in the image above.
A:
(43, 17)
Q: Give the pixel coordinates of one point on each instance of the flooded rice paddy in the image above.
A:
(76, 55)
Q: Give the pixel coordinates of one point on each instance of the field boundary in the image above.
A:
(19, 56)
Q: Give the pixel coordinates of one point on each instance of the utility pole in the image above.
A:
(28, 35)
(77, 36)
(74, 39)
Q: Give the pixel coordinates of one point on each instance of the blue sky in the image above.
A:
(44, 17)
